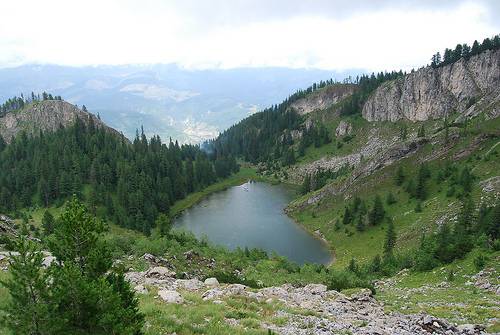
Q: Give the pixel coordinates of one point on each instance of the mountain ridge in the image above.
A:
(46, 115)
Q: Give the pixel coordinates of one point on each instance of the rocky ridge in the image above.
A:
(322, 98)
(46, 115)
(432, 93)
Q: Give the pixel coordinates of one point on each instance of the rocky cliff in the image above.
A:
(46, 115)
(431, 93)
(322, 98)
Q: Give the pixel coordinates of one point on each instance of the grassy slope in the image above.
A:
(454, 300)
(348, 243)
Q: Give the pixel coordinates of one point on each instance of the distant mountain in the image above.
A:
(188, 105)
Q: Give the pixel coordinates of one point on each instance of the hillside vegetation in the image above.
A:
(406, 194)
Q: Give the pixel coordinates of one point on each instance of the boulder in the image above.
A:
(343, 129)
(211, 282)
(190, 284)
(316, 288)
(159, 272)
(170, 296)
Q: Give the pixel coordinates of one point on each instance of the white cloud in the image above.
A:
(226, 34)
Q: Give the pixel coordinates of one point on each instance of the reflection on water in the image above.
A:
(251, 215)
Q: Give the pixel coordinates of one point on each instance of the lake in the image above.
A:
(251, 215)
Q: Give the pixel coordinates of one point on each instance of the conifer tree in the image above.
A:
(48, 223)
(377, 213)
(90, 298)
(390, 238)
(29, 310)
(400, 176)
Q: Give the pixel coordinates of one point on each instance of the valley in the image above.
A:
(394, 174)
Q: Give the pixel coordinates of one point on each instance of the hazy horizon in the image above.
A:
(328, 35)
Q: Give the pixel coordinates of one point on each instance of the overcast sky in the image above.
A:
(328, 34)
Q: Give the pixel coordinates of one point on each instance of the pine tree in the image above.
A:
(29, 311)
(306, 184)
(390, 200)
(353, 266)
(48, 223)
(163, 224)
(420, 189)
(376, 264)
(400, 176)
(90, 298)
(360, 224)
(390, 238)
(377, 213)
(347, 219)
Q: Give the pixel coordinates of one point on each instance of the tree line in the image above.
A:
(130, 183)
(465, 51)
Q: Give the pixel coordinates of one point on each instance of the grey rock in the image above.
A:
(431, 93)
(159, 272)
(170, 296)
(211, 282)
(344, 128)
(322, 98)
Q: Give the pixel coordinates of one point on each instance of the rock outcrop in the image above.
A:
(325, 311)
(431, 93)
(322, 98)
(46, 115)
(344, 128)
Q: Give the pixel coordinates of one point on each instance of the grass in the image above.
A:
(348, 243)
(457, 301)
(234, 315)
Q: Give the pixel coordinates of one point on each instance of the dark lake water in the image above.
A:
(251, 215)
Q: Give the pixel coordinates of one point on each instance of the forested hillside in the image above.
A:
(130, 183)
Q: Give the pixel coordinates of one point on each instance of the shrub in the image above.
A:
(480, 262)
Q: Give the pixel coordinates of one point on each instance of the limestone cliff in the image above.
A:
(431, 93)
(46, 115)
(322, 98)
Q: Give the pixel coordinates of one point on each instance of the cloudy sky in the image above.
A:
(328, 34)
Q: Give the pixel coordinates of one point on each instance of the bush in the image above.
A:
(231, 278)
(480, 262)
(341, 280)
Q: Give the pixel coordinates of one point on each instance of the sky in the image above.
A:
(374, 35)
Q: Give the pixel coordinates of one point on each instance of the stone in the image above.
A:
(211, 282)
(149, 257)
(343, 129)
(316, 288)
(212, 294)
(170, 296)
(427, 320)
(235, 289)
(159, 272)
(141, 289)
(190, 284)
